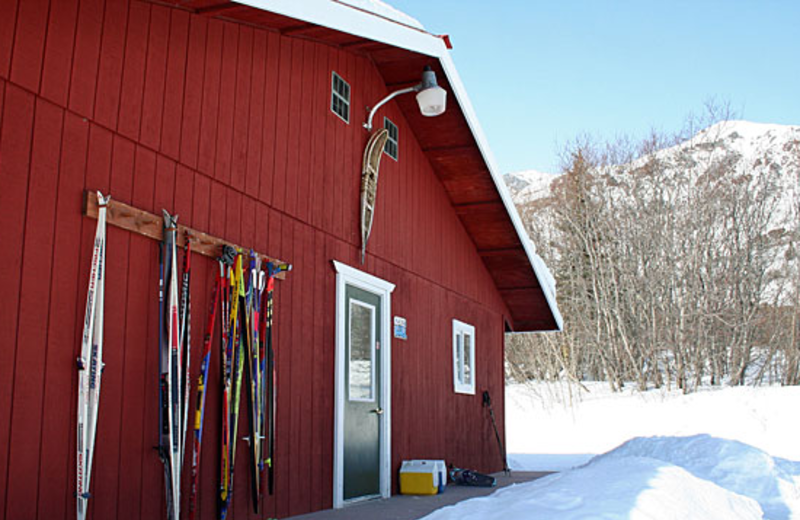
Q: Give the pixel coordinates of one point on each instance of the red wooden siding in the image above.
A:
(229, 126)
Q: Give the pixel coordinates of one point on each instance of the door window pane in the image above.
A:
(362, 352)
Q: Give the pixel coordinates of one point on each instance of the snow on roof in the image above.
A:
(370, 19)
(385, 10)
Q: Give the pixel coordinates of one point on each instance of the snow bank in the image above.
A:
(618, 487)
(707, 455)
(556, 427)
(732, 465)
(655, 478)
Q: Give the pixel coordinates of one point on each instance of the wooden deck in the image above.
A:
(403, 507)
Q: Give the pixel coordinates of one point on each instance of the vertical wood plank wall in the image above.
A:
(230, 127)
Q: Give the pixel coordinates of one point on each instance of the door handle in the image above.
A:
(377, 411)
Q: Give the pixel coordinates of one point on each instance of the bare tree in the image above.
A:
(665, 257)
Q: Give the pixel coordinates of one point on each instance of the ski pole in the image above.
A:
(487, 402)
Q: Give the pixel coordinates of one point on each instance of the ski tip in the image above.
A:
(170, 221)
(102, 201)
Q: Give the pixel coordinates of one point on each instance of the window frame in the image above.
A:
(461, 329)
(337, 96)
(393, 140)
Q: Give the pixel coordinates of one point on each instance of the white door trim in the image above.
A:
(346, 275)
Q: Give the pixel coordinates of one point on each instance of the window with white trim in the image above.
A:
(340, 97)
(463, 357)
(391, 147)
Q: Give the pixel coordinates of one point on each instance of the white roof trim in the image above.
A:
(345, 18)
(349, 19)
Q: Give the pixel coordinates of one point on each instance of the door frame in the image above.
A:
(346, 275)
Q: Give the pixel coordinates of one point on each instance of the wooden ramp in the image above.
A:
(402, 507)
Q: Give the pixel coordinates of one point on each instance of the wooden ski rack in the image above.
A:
(144, 223)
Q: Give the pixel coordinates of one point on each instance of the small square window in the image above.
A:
(391, 147)
(340, 97)
(463, 358)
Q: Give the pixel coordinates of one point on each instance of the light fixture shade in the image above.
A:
(432, 101)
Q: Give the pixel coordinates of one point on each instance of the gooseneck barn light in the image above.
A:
(431, 98)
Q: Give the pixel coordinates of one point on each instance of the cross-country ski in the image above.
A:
(171, 382)
(90, 362)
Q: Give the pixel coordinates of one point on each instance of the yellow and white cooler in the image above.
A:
(423, 477)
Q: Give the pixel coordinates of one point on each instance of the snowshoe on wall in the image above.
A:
(369, 183)
(467, 477)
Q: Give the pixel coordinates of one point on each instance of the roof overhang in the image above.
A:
(454, 142)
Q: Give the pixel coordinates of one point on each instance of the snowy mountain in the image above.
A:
(750, 140)
(759, 156)
(529, 185)
(744, 147)
(744, 150)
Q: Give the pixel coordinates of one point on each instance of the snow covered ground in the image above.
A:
(546, 432)
(715, 454)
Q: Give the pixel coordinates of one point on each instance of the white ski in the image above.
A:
(174, 366)
(90, 362)
(185, 346)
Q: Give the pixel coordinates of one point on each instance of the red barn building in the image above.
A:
(224, 113)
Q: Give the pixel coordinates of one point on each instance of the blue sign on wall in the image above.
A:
(400, 328)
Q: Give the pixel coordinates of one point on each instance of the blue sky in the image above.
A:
(542, 72)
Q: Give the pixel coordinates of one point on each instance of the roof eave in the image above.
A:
(469, 114)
